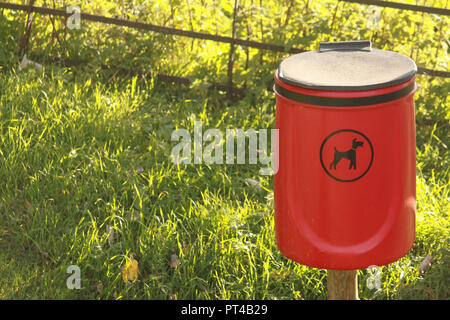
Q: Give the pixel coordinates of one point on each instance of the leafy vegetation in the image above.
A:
(84, 153)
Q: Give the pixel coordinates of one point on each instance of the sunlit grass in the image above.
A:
(81, 157)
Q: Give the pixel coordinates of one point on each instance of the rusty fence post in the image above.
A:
(231, 55)
(24, 41)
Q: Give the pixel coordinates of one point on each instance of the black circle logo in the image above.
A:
(346, 155)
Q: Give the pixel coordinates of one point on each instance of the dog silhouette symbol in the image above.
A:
(349, 155)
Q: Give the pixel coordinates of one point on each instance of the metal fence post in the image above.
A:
(231, 56)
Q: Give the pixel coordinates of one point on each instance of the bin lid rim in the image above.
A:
(346, 70)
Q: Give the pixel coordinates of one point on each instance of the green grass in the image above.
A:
(84, 150)
(79, 154)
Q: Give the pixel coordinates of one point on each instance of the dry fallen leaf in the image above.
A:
(130, 270)
(27, 204)
(425, 263)
(100, 288)
(174, 261)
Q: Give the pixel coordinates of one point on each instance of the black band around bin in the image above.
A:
(343, 102)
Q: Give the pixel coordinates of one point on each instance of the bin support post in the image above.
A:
(342, 284)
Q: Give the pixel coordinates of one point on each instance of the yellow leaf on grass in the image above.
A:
(130, 270)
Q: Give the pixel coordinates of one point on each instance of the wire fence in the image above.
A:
(233, 41)
(402, 6)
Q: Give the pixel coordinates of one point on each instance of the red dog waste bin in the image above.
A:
(345, 185)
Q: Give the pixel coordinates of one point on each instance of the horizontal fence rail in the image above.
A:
(152, 27)
(185, 33)
(207, 36)
(402, 6)
(434, 73)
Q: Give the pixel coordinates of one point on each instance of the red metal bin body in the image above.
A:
(345, 185)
